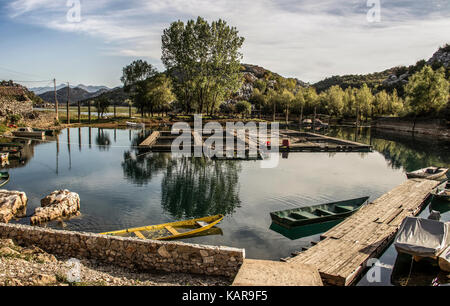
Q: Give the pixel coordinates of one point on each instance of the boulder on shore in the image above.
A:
(12, 203)
(60, 203)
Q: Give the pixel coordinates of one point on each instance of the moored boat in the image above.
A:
(135, 125)
(28, 132)
(4, 178)
(317, 213)
(430, 173)
(442, 192)
(425, 238)
(171, 231)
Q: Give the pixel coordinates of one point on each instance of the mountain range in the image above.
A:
(88, 88)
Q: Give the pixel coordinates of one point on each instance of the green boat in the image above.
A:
(4, 178)
(317, 213)
(308, 230)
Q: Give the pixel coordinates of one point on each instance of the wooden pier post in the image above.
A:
(89, 111)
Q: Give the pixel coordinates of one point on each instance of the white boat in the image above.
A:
(424, 238)
(136, 125)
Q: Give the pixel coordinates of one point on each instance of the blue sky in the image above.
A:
(307, 39)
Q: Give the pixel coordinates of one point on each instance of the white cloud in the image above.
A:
(306, 39)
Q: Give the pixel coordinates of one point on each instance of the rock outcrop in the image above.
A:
(60, 203)
(12, 203)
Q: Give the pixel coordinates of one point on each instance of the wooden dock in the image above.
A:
(343, 251)
(150, 140)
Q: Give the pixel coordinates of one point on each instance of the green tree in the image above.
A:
(204, 61)
(153, 94)
(136, 72)
(363, 101)
(102, 106)
(380, 104)
(427, 90)
(258, 99)
(335, 101)
(395, 104)
(244, 108)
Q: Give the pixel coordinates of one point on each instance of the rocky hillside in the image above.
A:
(390, 79)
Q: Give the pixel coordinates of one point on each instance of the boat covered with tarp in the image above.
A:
(423, 238)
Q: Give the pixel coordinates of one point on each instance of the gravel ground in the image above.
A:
(31, 266)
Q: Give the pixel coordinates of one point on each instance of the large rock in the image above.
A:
(60, 203)
(12, 203)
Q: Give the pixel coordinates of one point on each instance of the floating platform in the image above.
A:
(342, 254)
(161, 141)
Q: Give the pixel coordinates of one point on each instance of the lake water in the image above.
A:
(122, 187)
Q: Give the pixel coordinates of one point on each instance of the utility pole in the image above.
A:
(68, 102)
(56, 100)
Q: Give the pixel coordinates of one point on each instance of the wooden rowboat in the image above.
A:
(170, 231)
(430, 173)
(28, 133)
(4, 178)
(317, 213)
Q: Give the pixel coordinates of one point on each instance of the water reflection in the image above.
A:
(190, 187)
(102, 140)
(407, 151)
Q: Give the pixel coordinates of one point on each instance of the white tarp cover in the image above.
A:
(422, 237)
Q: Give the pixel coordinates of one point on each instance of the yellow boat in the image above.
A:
(173, 230)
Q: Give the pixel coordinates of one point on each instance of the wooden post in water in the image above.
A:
(68, 102)
(79, 139)
(89, 111)
(56, 100)
(129, 110)
(98, 111)
(114, 110)
(79, 112)
(68, 148)
(90, 138)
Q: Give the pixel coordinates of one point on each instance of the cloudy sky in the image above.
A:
(307, 39)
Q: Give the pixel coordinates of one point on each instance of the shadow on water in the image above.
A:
(304, 231)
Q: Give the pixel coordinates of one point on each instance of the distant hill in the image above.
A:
(390, 79)
(115, 96)
(88, 88)
(76, 94)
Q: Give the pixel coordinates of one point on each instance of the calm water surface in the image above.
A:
(122, 187)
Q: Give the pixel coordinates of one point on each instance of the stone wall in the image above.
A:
(431, 127)
(145, 255)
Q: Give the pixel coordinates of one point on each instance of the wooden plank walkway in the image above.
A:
(150, 140)
(273, 273)
(344, 250)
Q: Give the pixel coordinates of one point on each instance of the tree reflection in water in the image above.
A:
(401, 150)
(102, 140)
(191, 187)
